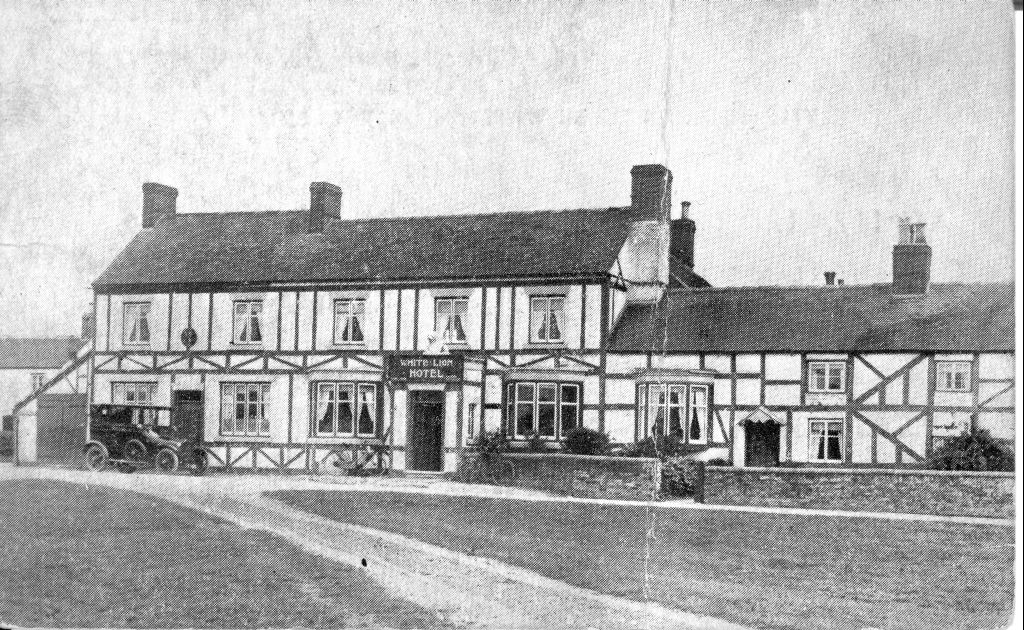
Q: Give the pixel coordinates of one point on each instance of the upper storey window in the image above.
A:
(136, 323)
(547, 319)
(826, 376)
(247, 322)
(349, 321)
(450, 318)
(953, 376)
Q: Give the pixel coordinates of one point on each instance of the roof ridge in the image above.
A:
(410, 216)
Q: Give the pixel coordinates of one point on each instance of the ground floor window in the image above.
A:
(675, 409)
(123, 393)
(243, 410)
(826, 440)
(549, 410)
(345, 409)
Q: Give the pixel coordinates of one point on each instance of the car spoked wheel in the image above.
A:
(96, 458)
(200, 463)
(167, 460)
(135, 451)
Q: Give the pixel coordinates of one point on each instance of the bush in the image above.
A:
(535, 443)
(974, 450)
(660, 447)
(584, 441)
(681, 476)
(491, 443)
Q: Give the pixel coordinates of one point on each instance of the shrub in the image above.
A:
(718, 461)
(534, 443)
(491, 443)
(974, 450)
(681, 476)
(584, 441)
(660, 447)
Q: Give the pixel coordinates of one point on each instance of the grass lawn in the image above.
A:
(767, 571)
(98, 557)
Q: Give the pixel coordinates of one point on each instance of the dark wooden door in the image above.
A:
(426, 444)
(187, 420)
(762, 444)
(61, 427)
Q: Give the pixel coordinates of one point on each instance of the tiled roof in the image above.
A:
(259, 247)
(950, 317)
(37, 353)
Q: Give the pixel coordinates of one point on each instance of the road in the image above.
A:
(473, 592)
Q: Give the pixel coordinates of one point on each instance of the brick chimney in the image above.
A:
(911, 260)
(158, 201)
(324, 203)
(88, 326)
(830, 278)
(652, 192)
(681, 240)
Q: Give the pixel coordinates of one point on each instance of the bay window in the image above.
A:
(345, 409)
(547, 409)
(677, 409)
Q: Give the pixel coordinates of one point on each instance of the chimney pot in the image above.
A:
(652, 192)
(324, 203)
(158, 201)
(830, 278)
(911, 260)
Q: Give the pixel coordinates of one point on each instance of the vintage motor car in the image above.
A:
(132, 437)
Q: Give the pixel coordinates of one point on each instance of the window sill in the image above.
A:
(826, 391)
(341, 440)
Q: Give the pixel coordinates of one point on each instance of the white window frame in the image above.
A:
(255, 423)
(827, 422)
(541, 334)
(829, 368)
(251, 310)
(514, 402)
(135, 314)
(946, 373)
(139, 393)
(471, 420)
(359, 394)
(347, 311)
(448, 334)
(658, 401)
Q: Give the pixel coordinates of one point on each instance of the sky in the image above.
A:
(800, 131)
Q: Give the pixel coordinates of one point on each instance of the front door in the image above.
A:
(187, 420)
(762, 444)
(426, 443)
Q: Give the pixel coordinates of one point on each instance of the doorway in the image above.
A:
(762, 449)
(426, 434)
(187, 414)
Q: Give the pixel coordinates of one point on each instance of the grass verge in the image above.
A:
(100, 557)
(763, 570)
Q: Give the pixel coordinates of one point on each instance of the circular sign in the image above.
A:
(189, 337)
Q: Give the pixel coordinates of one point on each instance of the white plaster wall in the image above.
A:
(157, 321)
(748, 363)
(625, 363)
(748, 391)
(593, 316)
(620, 391)
(781, 394)
(620, 425)
(1001, 425)
(995, 366)
(675, 361)
(721, 363)
(16, 384)
(407, 319)
(390, 319)
(782, 366)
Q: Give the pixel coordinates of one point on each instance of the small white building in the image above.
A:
(306, 335)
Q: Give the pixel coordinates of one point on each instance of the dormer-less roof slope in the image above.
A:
(277, 247)
(44, 352)
(949, 317)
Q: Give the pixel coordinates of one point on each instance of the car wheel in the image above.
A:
(167, 460)
(200, 463)
(96, 458)
(135, 451)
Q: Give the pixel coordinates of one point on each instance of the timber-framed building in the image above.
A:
(308, 337)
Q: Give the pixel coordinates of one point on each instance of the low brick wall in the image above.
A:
(946, 493)
(591, 476)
